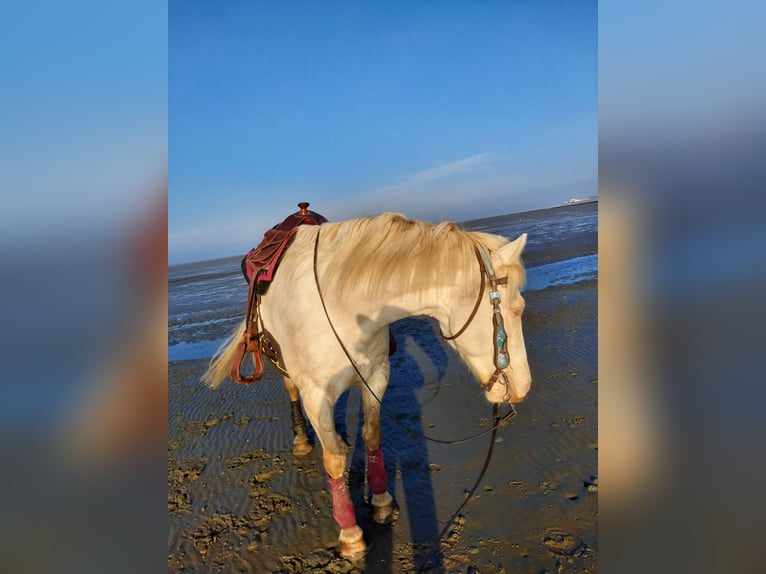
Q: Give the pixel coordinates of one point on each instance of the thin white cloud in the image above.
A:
(476, 186)
(421, 194)
(455, 168)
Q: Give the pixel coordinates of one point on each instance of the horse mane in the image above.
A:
(375, 254)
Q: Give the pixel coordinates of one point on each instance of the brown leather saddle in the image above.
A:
(262, 261)
(258, 267)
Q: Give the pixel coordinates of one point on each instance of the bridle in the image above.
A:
(499, 336)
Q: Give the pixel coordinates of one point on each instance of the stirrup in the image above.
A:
(252, 345)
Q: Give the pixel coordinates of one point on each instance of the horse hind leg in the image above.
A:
(301, 444)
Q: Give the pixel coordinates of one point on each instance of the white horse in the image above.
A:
(371, 272)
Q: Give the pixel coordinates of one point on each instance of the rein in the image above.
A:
(501, 354)
(498, 422)
(471, 492)
(473, 312)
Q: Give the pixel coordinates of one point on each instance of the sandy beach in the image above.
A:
(240, 501)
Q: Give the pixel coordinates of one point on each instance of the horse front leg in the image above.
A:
(301, 444)
(382, 502)
(320, 412)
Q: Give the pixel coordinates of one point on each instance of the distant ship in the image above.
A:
(576, 200)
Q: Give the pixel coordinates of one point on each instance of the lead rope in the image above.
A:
(498, 422)
(470, 492)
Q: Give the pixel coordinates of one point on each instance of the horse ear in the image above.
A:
(511, 251)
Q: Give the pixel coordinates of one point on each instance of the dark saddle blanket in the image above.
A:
(261, 262)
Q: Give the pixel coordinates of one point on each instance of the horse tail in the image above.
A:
(220, 364)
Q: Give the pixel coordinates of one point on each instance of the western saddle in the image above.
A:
(258, 267)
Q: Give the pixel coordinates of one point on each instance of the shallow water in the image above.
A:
(566, 272)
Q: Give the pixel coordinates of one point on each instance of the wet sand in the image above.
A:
(239, 501)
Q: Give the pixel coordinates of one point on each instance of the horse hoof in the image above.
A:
(351, 542)
(383, 514)
(301, 446)
(382, 508)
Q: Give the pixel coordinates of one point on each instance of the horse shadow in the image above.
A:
(421, 359)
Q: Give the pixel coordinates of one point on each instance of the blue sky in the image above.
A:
(438, 110)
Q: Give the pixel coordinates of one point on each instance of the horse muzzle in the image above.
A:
(501, 389)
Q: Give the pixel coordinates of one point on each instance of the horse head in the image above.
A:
(492, 342)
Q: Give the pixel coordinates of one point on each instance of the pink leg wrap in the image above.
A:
(342, 508)
(376, 472)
